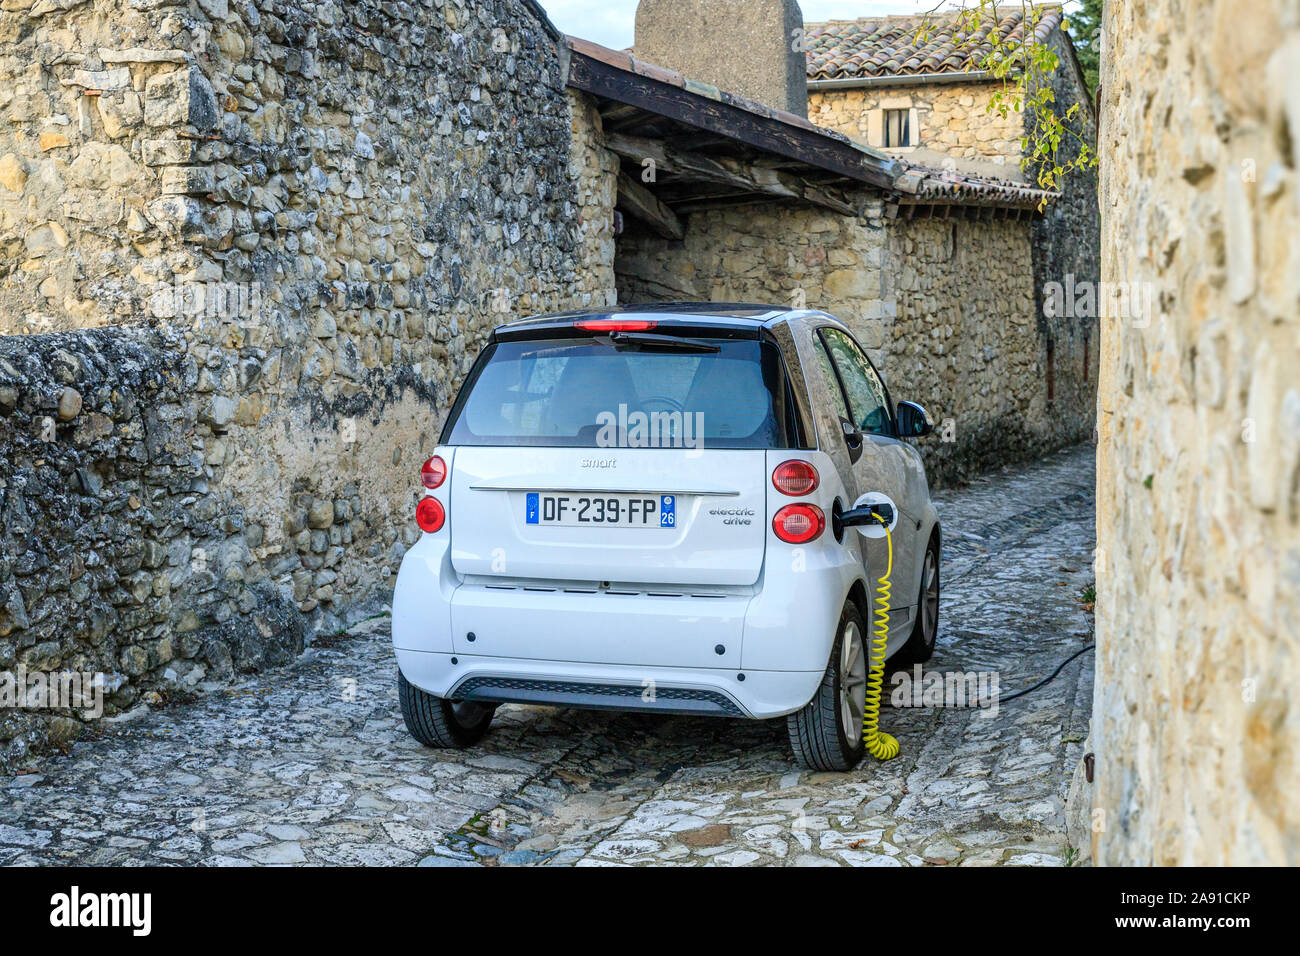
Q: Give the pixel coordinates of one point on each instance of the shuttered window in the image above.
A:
(898, 128)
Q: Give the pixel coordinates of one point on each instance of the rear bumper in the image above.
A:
(699, 691)
(651, 653)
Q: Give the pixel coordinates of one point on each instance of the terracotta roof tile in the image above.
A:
(927, 182)
(888, 46)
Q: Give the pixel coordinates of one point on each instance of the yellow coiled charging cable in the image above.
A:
(879, 744)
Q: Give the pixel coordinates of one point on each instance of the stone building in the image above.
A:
(953, 298)
(1196, 723)
(249, 249)
(918, 88)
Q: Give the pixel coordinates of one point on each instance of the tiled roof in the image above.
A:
(887, 46)
(946, 185)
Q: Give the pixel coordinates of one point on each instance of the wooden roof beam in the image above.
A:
(640, 203)
(609, 75)
(723, 171)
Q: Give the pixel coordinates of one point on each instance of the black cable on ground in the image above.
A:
(1004, 698)
(1047, 680)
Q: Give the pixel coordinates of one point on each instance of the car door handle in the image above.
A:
(852, 439)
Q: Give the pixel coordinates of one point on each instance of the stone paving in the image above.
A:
(311, 763)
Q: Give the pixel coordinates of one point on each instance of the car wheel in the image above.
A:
(436, 722)
(920, 645)
(827, 733)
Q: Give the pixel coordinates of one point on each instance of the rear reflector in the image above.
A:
(433, 472)
(795, 478)
(615, 325)
(798, 523)
(429, 515)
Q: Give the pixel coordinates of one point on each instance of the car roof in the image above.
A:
(739, 315)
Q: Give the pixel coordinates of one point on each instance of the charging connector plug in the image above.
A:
(878, 513)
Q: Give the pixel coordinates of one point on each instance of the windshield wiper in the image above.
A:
(651, 342)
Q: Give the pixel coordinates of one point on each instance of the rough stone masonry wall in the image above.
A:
(377, 183)
(953, 120)
(944, 308)
(593, 170)
(1066, 243)
(966, 343)
(117, 557)
(1197, 718)
(797, 257)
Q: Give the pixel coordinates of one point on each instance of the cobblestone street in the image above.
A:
(311, 764)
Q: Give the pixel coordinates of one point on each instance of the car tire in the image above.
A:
(827, 733)
(920, 644)
(436, 722)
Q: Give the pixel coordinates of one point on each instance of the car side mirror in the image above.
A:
(913, 421)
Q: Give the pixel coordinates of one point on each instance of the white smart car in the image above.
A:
(643, 510)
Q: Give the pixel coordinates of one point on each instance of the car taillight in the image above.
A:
(429, 514)
(798, 523)
(615, 325)
(433, 472)
(795, 478)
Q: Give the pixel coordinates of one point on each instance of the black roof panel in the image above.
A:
(752, 312)
(735, 319)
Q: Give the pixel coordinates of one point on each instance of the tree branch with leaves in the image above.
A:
(1024, 67)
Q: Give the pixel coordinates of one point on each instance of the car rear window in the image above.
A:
(587, 393)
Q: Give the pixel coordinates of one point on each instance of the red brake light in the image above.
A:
(433, 472)
(429, 514)
(795, 478)
(798, 523)
(615, 325)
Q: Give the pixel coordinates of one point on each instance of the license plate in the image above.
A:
(605, 511)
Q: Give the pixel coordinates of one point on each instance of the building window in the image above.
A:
(898, 128)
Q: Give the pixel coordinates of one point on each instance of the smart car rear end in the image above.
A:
(624, 511)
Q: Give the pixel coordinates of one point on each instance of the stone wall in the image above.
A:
(945, 309)
(746, 47)
(796, 257)
(118, 557)
(317, 148)
(953, 121)
(309, 215)
(594, 171)
(966, 342)
(1197, 719)
(1066, 243)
